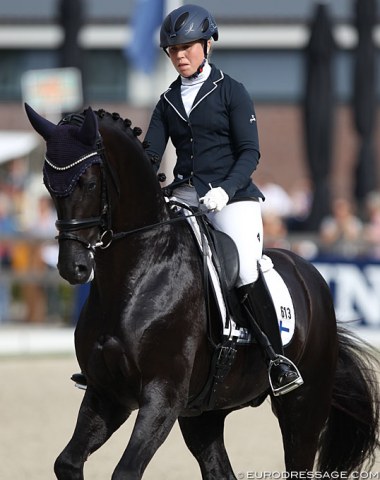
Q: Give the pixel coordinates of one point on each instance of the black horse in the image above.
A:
(143, 340)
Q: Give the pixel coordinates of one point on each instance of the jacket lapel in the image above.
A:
(208, 87)
(173, 97)
(173, 94)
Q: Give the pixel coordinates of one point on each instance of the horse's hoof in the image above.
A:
(80, 380)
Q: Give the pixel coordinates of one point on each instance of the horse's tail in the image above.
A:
(351, 435)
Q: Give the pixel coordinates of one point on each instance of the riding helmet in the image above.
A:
(187, 24)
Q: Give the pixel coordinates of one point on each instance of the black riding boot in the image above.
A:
(257, 304)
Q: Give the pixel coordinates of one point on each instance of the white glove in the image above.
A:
(215, 199)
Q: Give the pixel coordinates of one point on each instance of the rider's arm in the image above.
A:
(157, 135)
(244, 136)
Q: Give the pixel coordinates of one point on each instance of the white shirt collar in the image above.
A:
(202, 77)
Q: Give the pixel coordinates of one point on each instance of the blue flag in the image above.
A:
(142, 49)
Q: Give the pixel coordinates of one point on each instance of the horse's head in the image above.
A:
(73, 176)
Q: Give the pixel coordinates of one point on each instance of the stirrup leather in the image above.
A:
(290, 386)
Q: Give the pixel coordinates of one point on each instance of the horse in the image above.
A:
(145, 339)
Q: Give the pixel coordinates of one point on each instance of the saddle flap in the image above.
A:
(226, 257)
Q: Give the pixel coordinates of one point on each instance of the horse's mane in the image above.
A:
(125, 124)
(114, 119)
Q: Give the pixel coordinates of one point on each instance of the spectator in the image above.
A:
(8, 227)
(275, 231)
(371, 233)
(40, 253)
(277, 200)
(341, 232)
(301, 196)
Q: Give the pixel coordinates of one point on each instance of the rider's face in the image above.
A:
(187, 57)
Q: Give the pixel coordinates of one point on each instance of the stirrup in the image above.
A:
(290, 386)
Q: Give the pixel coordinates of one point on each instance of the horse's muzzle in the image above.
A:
(76, 268)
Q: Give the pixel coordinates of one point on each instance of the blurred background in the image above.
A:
(312, 70)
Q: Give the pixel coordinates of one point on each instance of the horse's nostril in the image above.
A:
(81, 270)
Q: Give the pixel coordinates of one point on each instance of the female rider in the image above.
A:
(212, 123)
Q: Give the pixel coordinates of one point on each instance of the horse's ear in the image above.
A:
(42, 126)
(89, 130)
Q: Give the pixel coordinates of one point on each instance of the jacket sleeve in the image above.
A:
(244, 138)
(157, 135)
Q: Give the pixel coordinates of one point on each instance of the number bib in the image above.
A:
(281, 299)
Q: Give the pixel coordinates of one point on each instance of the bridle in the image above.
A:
(66, 228)
(103, 221)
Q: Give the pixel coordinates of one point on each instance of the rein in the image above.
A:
(104, 220)
(117, 236)
(108, 236)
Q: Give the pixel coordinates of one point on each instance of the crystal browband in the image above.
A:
(67, 167)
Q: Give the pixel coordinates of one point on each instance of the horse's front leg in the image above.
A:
(204, 436)
(98, 419)
(159, 409)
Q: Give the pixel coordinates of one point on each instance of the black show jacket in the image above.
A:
(217, 144)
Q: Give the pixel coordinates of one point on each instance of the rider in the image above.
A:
(212, 123)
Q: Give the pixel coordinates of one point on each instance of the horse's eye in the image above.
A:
(91, 186)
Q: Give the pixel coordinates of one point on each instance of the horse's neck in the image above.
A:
(139, 206)
(131, 263)
(139, 201)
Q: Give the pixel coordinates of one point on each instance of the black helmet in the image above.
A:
(187, 24)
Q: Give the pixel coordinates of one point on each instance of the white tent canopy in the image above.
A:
(15, 144)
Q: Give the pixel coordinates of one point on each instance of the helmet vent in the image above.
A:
(181, 21)
(205, 25)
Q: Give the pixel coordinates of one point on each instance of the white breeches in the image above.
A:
(240, 220)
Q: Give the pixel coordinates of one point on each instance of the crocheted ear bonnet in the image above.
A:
(71, 147)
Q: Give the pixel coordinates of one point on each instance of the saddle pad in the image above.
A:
(281, 299)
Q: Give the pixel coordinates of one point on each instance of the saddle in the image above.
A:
(221, 270)
(221, 266)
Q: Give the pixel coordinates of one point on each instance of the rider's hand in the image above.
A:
(215, 199)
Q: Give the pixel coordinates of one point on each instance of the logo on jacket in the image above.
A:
(252, 119)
